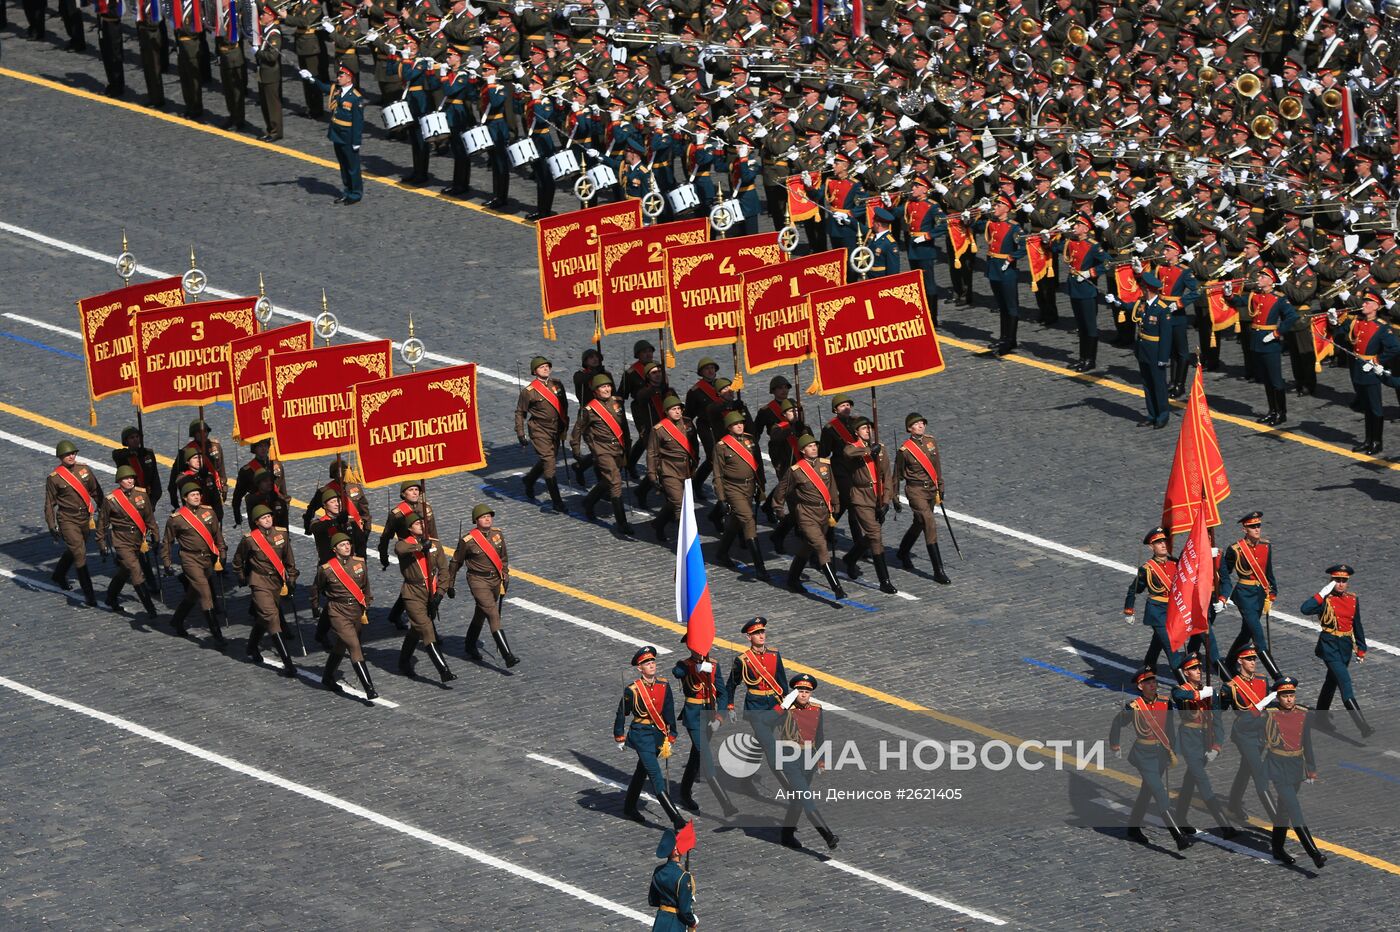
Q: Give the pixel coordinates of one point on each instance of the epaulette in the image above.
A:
(824, 459)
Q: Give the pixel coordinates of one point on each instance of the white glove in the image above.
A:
(759, 132)
(1092, 32)
(1110, 299)
(1026, 208)
(1098, 83)
(1223, 605)
(1327, 589)
(643, 112)
(1140, 248)
(1101, 223)
(725, 93)
(906, 124)
(1206, 693)
(966, 215)
(721, 126)
(1188, 257)
(372, 35)
(1345, 295)
(1367, 367)
(964, 8)
(681, 122)
(1270, 337)
(1129, 618)
(706, 666)
(1164, 100)
(1211, 755)
(733, 716)
(1066, 185)
(1137, 266)
(792, 116)
(1118, 753)
(306, 75)
(621, 745)
(945, 156)
(592, 153)
(1278, 80)
(328, 26)
(1259, 706)
(356, 148)
(940, 187)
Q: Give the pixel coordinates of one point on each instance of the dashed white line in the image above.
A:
(593, 626)
(1096, 658)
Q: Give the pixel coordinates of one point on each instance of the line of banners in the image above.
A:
(144, 340)
(738, 291)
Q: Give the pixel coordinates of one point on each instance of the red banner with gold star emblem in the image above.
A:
(873, 333)
(705, 287)
(182, 351)
(417, 426)
(312, 395)
(632, 273)
(105, 323)
(568, 256)
(252, 407)
(775, 319)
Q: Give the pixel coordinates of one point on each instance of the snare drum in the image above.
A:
(397, 114)
(476, 139)
(683, 198)
(602, 176)
(433, 126)
(735, 210)
(522, 153)
(562, 164)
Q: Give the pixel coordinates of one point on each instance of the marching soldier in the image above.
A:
(739, 486)
(647, 409)
(672, 890)
(917, 465)
(1248, 694)
(802, 726)
(71, 494)
(1152, 319)
(602, 422)
(342, 596)
(673, 449)
(128, 514)
(1290, 760)
(247, 480)
(210, 472)
(542, 412)
(810, 486)
(868, 465)
(109, 44)
(652, 732)
(1339, 612)
(266, 564)
(837, 433)
(268, 57)
(1155, 578)
(1151, 755)
(762, 674)
(924, 227)
(1196, 739)
(346, 128)
(411, 506)
(1371, 340)
(697, 402)
(1253, 589)
(706, 695)
(266, 492)
(353, 502)
(483, 552)
(330, 522)
(421, 562)
(195, 528)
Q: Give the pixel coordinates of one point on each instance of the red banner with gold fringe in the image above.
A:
(775, 319)
(873, 333)
(182, 352)
(632, 273)
(311, 392)
(252, 406)
(417, 426)
(705, 287)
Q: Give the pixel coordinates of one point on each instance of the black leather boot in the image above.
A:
(440, 662)
(1135, 833)
(328, 673)
(640, 492)
(60, 572)
(144, 595)
(1281, 398)
(906, 544)
(529, 480)
(1310, 846)
(1276, 839)
(396, 615)
(410, 644)
(620, 525)
(254, 648)
(590, 501)
(692, 770)
(1183, 840)
(503, 646)
(1359, 720)
(182, 611)
(939, 575)
(882, 573)
(362, 671)
(1268, 417)
(756, 555)
(1226, 829)
(794, 576)
(85, 582)
(634, 793)
(674, 814)
(832, 581)
(823, 829)
(779, 535)
(216, 628)
(663, 520)
(555, 498)
(852, 559)
(726, 543)
(279, 644)
(1091, 361)
(114, 589)
(789, 838)
(727, 807)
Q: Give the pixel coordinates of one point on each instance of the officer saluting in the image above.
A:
(347, 107)
(266, 564)
(672, 890)
(128, 514)
(1342, 636)
(483, 552)
(1151, 754)
(342, 593)
(71, 494)
(420, 561)
(652, 731)
(543, 411)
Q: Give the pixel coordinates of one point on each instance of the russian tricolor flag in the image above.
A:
(692, 590)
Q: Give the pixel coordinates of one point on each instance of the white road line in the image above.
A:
(1095, 658)
(839, 865)
(48, 451)
(1206, 837)
(1391, 753)
(344, 685)
(43, 325)
(584, 623)
(916, 894)
(991, 526)
(334, 802)
(29, 582)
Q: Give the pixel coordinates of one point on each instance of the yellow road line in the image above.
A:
(254, 143)
(72, 431)
(1051, 368)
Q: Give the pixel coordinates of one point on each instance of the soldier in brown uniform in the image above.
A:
(247, 481)
(917, 466)
(328, 523)
(543, 412)
(195, 528)
(266, 564)
(71, 494)
(421, 562)
(128, 514)
(811, 486)
(413, 505)
(353, 503)
(739, 485)
(673, 450)
(872, 491)
(604, 425)
(483, 552)
(213, 476)
(342, 594)
(140, 458)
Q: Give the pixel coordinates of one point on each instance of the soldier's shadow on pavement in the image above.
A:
(316, 187)
(1107, 406)
(1373, 488)
(1103, 672)
(1088, 809)
(80, 80)
(31, 548)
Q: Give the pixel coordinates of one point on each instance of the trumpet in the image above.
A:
(1332, 99)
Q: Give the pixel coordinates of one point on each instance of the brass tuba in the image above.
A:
(1332, 99)
(1077, 36)
(1248, 85)
(1290, 108)
(1263, 126)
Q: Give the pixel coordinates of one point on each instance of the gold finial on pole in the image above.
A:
(262, 289)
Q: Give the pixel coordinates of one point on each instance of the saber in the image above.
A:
(296, 621)
(951, 536)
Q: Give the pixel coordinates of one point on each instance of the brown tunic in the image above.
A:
(668, 463)
(127, 538)
(485, 583)
(343, 610)
(922, 490)
(814, 516)
(545, 424)
(737, 483)
(67, 513)
(417, 591)
(258, 573)
(195, 557)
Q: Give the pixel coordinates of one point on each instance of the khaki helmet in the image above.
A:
(64, 448)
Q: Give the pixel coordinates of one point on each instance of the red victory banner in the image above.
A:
(311, 391)
(108, 344)
(775, 311)
(1198, 481)
(705, 287)
(1039, 259)
(872, 333)
(632, 273)
(252, 407)
(568, 255)
(417, 426)
(1188, 599)
(182, 352)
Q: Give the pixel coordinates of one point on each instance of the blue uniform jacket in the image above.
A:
(347, 109)
(1153, 318)
(1380, 346)
(1331, 645)
(1092, 265)
(1001, 262)
(674, 889)
(886, 254)
(644, 735)
(751, 700)
(1235, 563)
(1264, 331)
(933, 226)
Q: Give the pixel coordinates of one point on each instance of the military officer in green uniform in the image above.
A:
(1197, 741)
(304, 17)
(739, 486)
(268, 57)
(1247, 695)
(1153, 347)
(705, 695)
(1290, 761)
(647, 701)
(1151, 755)
(71, 496)
(347, 107)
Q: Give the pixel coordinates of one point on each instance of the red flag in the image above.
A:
(1188, 599)
(1198, 468)
(685, 838)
